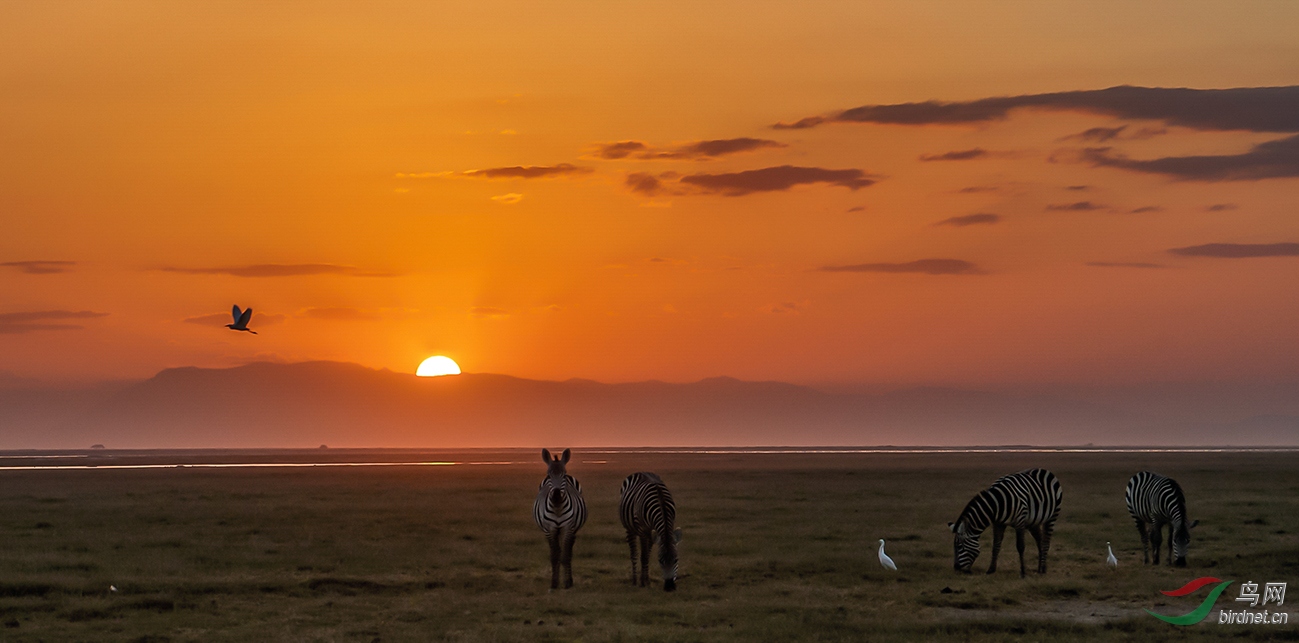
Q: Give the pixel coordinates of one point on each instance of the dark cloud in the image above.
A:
(960, 155)
(1221, 207)
(1078, 188)
(924, 266)
(40, 267)
(1239, 250)
(528, 171)
(803, 123)
(1123, 264)
(1080, 206)
(26, 322)
(698, 150)
(1269, 160)
(775, 179)
(1096, 134)
(619, 150)
(1146, 208)
(644, 183)
(1258, 109)
(970, 219)
(857, 208)
(279, 270)
(977, 189)
(715, 148)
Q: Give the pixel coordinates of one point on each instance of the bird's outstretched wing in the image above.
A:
(237, 313)
(245, 318)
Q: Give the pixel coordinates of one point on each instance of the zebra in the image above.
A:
(648, 514)
(1025, 500)
(1155, 501)
(559, 511)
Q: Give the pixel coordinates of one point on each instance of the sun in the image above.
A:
(436, 366)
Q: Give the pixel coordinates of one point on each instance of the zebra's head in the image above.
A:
(1181, 541)
(965, 546)
(668, 560)
(556, 475)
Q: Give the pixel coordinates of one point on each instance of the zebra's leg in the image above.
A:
(570, 535)
(998, 531)
(1019, 546)
(553, 539)
(1044, 545)
(646, 543)
(1145, 540)
(1170, 543)
(631, 543)
(1156, 538)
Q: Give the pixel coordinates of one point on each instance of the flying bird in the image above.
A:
(241, 320)
(884, 558)
(1110, 559)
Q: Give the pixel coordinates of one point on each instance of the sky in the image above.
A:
(835, 192)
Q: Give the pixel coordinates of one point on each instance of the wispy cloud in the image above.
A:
(488, 311)
(40, 267)
(1102, 134)
(27, 322)
(221, 319)
(923, 266)
(786, 307)
(1239, 250)
(279, 270)
(695, 150)
(1258, 109)
(1268, 160)
(1221, 207)
(509, 198)
(1124, 264)
(528, 171)
(1078, 206)
(1146, 208)
(339, 313)
(776, 179)
(981, 218)
(770, 179)
(977, 189)
(959, 155)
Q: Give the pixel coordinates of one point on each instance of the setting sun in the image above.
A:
(436, 366)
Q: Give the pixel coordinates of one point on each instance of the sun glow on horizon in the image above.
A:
(437, 366)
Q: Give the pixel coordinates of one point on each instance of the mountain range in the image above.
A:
(269, 405)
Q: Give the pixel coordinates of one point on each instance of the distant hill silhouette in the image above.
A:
(347, 405)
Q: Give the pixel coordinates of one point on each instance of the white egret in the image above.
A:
(242, 317)
(884, 558)
(1110, 559)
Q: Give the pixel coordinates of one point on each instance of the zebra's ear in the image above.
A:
(1193, 524)
(567, 454)
(677, 534)
(952, 526)
(545, 456)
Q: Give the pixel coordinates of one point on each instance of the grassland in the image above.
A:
(776, 547)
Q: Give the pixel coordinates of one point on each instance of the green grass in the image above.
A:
(776, 547)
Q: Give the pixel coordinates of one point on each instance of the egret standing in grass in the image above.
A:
(884, 558)
(1110, 559)
(242, 317)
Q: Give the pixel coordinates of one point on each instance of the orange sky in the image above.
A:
(183, 155)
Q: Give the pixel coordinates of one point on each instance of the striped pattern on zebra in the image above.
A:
(649, 514)
(559, 511)
(1028, 500)
(1155, 501)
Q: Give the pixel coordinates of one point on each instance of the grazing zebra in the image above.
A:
(1025, 500)
(1155, 501)
(648, 514)
(560, 511)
